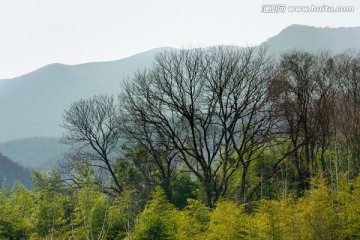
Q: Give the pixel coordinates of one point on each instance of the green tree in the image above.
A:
(122, 215)
(183, 188)
(157, 221)
(347, 208)
(90, 215)
(193, 221)
(228, 221)
(48, 216)
(15, 213)
(5, 189)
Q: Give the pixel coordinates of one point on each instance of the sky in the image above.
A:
(40, 32)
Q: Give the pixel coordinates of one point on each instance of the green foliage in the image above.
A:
(157, 221)
(347, 207)
(323, 213)
(228, 221)
(5, 188)
(48, 216)
(193, 221)
(122, 215)
(15, 213)
(329, 210)
(269, 221)
(90, 215)
(183, 188)
(128, 176)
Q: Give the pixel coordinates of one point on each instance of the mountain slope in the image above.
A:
(314, 39)
(13, 172)
(34, 152)
(32, 105)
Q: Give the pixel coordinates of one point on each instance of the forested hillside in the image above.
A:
(215, 143)
(327, 211)
(34, 152)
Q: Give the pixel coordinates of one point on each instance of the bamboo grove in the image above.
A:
(214, 143)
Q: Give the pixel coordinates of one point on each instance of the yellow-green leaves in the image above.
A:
(228, 221)
(157, 221)
(193, 221)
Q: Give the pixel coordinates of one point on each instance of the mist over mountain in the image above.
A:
(32, 105)
(36, 152)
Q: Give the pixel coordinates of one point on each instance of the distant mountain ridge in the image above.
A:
(32, 105)
(299, 37)
(36, 152)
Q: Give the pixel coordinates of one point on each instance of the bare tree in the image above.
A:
(151, 152)
(349, 106)
(304, 97)
(210, 104)
(92, 126)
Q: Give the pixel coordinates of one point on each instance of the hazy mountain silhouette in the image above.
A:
(32, 105)
(12, 172)
(298, 37)
(36, 152)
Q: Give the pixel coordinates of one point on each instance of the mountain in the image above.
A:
(32, 105)
(36, 152)
(298, 37)
(13, 172)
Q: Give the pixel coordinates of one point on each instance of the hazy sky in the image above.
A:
(34, 33)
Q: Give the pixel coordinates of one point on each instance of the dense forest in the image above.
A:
(215, 143)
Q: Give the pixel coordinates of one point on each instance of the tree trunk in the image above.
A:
(207, 185)
(243, 184)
